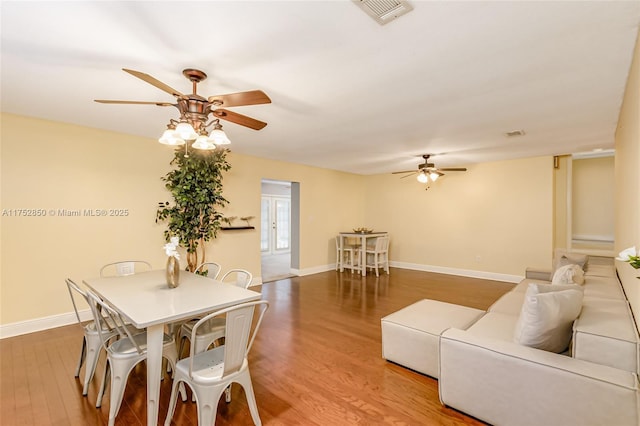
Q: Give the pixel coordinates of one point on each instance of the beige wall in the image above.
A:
(496, 217)
(54, 166)
(627, 177)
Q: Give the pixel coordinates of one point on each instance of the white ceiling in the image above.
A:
(449, 78)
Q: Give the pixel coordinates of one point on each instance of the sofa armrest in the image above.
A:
(502, 382)
(538, 274)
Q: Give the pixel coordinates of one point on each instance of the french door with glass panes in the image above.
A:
(275, 225)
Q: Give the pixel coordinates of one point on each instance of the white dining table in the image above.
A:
(363, 237)
(148, 303)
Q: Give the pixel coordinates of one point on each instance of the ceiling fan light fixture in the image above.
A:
(434, 176)
(170, 137)
(422, 177)
(219, 136)
(204, 142)
(195, 111)
(185, 130)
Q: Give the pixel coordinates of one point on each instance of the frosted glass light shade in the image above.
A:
(203, 142)
(434, 176)
(186, 132)
(219, 137)
(422, 178)
(170, 137)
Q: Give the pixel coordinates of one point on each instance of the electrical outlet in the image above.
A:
(478, 258)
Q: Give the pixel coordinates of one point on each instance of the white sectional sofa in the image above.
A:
(484, 373)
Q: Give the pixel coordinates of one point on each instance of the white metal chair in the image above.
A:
(209, 269)
(215, 328)
(122, 354)
(125, 267)
(91, 342)
(378, 256)
(239, 277)
(212, 372)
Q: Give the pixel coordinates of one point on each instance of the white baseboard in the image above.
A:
(427, 268)
(460, 272)
(314, 270)
(40, 324)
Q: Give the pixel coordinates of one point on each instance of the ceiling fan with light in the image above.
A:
(198, 113)
(428, 171)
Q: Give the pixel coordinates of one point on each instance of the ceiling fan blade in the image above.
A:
(453, 169)
(240, 119)
(406, 171)
(409, 175)
(252, 97)
(153, 81)
(106, 101)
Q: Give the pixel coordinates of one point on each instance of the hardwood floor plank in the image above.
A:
(316, 361)
(8, 386)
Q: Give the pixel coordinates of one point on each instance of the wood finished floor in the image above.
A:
(316, 361)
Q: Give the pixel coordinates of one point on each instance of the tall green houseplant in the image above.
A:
(196, 187)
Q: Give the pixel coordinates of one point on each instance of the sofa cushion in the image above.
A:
(603, 287)
(596, 270)
(605, 333)
(547, 317)
(509, 303)
(495, 325)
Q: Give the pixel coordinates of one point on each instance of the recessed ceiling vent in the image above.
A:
(514, 133)
(384, 11)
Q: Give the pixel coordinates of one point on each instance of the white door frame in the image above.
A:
(272, 222)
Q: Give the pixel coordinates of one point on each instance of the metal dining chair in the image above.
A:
(209, 269)
(210, 373)
(124, 267)
(122, 354)
(91, 341)
(215, 328)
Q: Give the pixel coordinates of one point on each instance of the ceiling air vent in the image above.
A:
(513, 133)
(384, 11)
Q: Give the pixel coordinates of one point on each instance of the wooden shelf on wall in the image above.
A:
(234, 228)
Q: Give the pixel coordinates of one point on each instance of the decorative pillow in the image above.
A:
(562, 257)
(568, 274)
(578, 275)
(547, 316)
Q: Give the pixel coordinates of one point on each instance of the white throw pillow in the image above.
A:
(568, 274)
(547, 315)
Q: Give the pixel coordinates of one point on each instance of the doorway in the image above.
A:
(276, 230)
